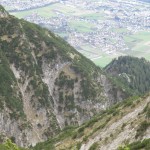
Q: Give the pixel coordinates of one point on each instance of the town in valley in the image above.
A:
(99, 29)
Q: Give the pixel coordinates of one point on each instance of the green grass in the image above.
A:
(139, 44)
(8, 145)
(104, 60)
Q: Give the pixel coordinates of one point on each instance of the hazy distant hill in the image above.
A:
(145, 1)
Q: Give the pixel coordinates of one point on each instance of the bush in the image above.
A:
(147, 110)
(142, 128)
(138, 145)
(94, 146)
(78, 146)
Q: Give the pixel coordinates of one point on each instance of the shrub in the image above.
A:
(142, 128)
(94, 146)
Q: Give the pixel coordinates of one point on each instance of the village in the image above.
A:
(18, 5)
(104, 33)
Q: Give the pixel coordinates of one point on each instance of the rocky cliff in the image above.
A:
(45, 84)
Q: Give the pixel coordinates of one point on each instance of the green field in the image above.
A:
(139, 44)
(106, 59)
(102, 62)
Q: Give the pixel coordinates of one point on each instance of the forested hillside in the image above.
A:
(132, 72)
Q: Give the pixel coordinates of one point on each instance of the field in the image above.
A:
(139, 44)
(105, 59)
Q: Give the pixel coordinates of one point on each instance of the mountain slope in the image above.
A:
(124, 123)
(125, 126)
(46, 84)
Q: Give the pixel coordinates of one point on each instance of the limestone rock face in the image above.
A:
(46, 84)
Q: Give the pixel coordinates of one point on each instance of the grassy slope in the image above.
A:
(74, 137)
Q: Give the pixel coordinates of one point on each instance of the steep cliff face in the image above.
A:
(46, 84)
